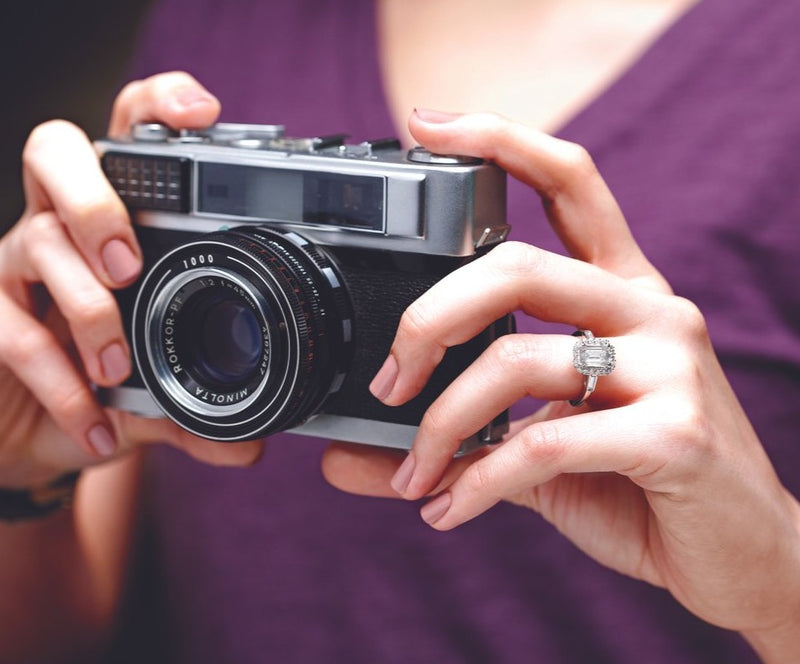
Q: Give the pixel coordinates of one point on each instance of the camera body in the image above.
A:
(276, 270)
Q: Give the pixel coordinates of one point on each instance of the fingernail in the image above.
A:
(121, 264)
(436, 509)
(114, 361)
(435, 117)
(402, 477)
(102, 441)
(381, 386)
(189, 97)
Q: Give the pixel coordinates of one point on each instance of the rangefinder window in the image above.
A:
(330, 199)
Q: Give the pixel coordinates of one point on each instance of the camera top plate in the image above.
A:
(372, 195)
(273, 138)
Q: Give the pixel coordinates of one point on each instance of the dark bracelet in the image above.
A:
(21, 504)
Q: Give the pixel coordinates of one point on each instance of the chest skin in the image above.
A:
(537, 62)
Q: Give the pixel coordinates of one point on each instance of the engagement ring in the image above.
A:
(592, 357)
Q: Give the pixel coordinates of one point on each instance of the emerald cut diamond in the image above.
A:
(594, 357)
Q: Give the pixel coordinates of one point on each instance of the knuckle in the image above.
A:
(415, 322)
(142, 99)
(95, 209)
(689, 425)
(574, 164)
(37, 235)
(129, 92)
(43, 135)
(576, 160)
(172, 79)
(38, 229)
(481, 478)
(437, 419)
(73, 401)
(90, 309)
(149, 89)
(690, 319)
(164, 87)
(497, 128)
(513, 350)
(541, 445)
(688, 435)
(518, 259)
(678, 375)
(26, 348)
(492, 120)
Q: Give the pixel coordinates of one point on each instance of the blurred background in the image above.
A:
(60, 59)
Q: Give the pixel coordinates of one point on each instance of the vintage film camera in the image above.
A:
(276, 270)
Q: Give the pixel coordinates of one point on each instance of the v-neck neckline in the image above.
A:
(641, 87)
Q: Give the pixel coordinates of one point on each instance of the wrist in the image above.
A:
(37, 502)
(780, 643)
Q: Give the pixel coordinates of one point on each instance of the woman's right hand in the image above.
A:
(61, 328)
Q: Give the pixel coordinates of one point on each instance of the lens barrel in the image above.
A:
(243, 333)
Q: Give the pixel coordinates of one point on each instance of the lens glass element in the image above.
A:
(227, 343)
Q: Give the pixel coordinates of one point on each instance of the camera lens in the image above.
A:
(242, 333)
(224, 338)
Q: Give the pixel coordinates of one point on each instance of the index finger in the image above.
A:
(513, 276)
(61, 172)
(581, 208)
(173, 98)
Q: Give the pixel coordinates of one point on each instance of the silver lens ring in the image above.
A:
(164, 356)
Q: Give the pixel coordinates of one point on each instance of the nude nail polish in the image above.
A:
(436, 509)
(121, 264)
(102, 441)
(114, 361)
(403, 475)
(383, 383)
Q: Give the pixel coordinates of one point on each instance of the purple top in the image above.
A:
(699, 143)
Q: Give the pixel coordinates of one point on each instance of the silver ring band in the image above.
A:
(591, 357)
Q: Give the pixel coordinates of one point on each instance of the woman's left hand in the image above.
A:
(659, 475)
